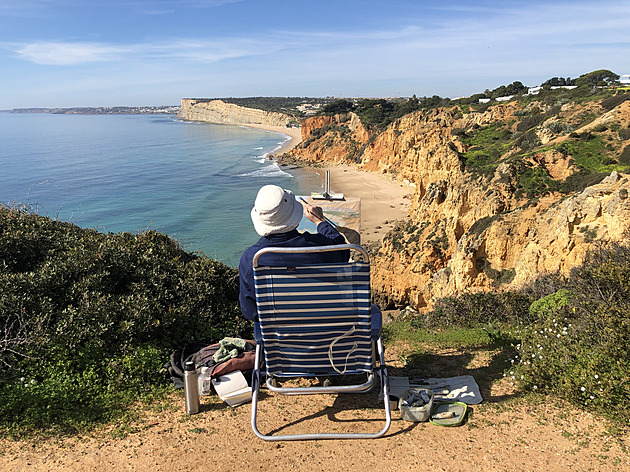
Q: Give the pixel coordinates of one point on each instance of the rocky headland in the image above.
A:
(218, 111)
(500, 195)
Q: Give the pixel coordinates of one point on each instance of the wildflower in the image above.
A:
(583, 388)
(596, 376)
(535, 387)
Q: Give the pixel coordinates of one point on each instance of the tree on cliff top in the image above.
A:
(602, 77)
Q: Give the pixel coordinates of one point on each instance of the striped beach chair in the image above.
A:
(316, 321)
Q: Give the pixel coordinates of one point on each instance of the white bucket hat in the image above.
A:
(276, 211)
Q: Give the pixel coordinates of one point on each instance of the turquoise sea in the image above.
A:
(195, 182)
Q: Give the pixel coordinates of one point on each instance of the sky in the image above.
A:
(67, 53)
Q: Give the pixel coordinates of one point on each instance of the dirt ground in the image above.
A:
(504, 433)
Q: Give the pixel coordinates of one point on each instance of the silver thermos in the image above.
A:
(191, 388)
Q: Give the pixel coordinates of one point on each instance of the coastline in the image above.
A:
(383, 200)
(294, 134)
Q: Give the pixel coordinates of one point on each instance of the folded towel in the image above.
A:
(230, 348)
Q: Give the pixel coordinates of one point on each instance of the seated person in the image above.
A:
(276, 215)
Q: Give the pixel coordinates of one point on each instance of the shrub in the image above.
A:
(87, 316)
(579, 346)
(477, 309)
(614, 101)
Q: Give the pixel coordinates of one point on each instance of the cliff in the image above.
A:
(500, 196)
(217, 111)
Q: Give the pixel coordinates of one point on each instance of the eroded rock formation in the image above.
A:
(486, 216)
(218, 111)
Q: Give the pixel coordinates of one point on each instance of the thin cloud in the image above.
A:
(191, 50)
(66, 54)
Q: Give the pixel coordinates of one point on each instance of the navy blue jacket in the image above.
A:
(326, 236)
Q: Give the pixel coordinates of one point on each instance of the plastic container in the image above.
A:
(448, 413)
(415, 404)
(205, 381)
(191, 388)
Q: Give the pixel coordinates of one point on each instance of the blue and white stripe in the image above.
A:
(315, 319)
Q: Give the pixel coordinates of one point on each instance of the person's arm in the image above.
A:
(316, 215)
(247, 296)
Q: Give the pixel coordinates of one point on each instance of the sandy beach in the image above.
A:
(383, 200)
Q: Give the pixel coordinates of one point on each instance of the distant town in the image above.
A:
(155, 110)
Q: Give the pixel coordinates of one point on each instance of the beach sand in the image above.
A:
(383, 200)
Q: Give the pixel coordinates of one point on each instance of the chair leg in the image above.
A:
(381, 371)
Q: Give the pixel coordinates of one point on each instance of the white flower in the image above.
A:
(596, 376)
(535, 387)
(583, 388)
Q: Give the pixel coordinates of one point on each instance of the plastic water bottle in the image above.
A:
(191, 389)
(205, 381)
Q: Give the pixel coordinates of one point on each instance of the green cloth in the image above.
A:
(230, 347)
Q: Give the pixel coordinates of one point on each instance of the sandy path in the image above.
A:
(499, 435)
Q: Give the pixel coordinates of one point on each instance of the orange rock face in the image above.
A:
(469, 230)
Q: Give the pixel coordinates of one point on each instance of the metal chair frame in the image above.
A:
(373, 371)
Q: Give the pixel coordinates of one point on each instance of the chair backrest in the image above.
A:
(315, 319)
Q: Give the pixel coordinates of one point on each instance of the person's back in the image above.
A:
(276, 215)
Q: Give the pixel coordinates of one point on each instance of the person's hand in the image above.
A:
(314, 213)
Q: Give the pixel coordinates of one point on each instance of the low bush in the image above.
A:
(474, 310)
(87, 319)
(579, 346)
(574, 331)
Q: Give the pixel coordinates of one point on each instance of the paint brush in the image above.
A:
(334, 225)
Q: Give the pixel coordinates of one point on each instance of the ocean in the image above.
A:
(194, 181)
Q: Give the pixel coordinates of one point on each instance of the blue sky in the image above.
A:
(63, 53)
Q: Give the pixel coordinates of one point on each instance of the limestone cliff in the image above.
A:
(218, 111)
(500, 195)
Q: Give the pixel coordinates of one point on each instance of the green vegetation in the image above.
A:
(88, 319)
(570, 336)
(487, 144)
(595, 154)
(379, 113)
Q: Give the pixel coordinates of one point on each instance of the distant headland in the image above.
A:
(150, 110)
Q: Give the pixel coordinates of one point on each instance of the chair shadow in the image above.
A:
(343, 403)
